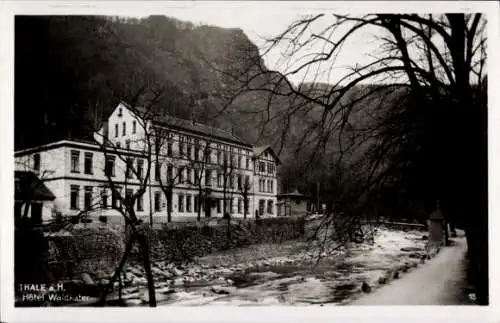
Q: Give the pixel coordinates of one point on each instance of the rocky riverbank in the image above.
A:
(304, 277)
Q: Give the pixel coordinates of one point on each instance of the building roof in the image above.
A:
(29, 187)
(257, 151)
(163, 119)
(293, 194)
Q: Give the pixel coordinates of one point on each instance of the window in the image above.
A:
(120, 112)
(88, 163)
(262, 167)
(231, 181)
(270, 205)
(36, 162)
(189, 151)
(196, 179)
(188, 203)
(196, 203)
(124, 129)
(157, 201)
(74, 197)
(116, 130)
(208, 156)
(188, 175)
(128, 195)
(169, 149)
(208, 179)
(118, 144)
(157, 172)
(262, 205)
(104, 198)
(248, 162)
(134, 126)
(181, 202)
(240, 161)
(268, 185)
(87, 198)
(220, 179)
(247, 182)
(128, 169)
(270, 168)
(115, 197)
(239, 182)
(181, 175)
(181, 149)
(219, 157)
(127, 144)
(219, 208)
(240, 203)
(109, 169)
(140, 168)
(272, 186)
(197, 153)
(170, 173)
(75, 161)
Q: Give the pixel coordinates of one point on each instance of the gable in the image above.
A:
(263, 150)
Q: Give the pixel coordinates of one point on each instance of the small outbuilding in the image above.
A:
(31, 197)
(437, 227)
(292, 204)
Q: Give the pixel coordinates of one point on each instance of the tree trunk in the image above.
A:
(147, 268)
(199, 205)
(169, 205)
(245, 207)
(118, 270)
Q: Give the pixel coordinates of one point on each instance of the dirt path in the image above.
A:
(439, 282)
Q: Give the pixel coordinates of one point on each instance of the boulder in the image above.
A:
(133, 302)
(264, 275)
(159, 296)
(382, 280)
(165, 290)
(221, 290)
(366, 288)
(179, 281)
(135, 295)
(176, 272)
(415, 255)
(87, 280)
(408, 249)
(104, 282)
(396, 275)
(132, 290)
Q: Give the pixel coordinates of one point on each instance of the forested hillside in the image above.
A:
(71, 71)
(74, 69)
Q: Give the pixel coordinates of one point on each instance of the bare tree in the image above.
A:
(135, 175)
(244, 189)
(434, 67)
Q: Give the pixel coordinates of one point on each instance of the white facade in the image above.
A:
(75, 171)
